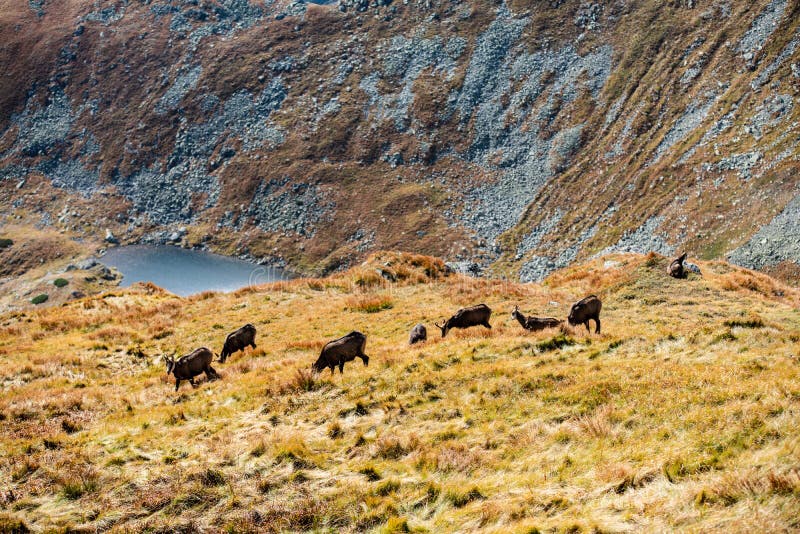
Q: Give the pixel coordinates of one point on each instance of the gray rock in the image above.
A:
(644, 239)
(787, 52)
(40, 129)
(742, 163)
(772, 111)
(105, 273)
(282, 206)
(106, 16)
(86, 264)
(111, 238)
(538, 267)
(506, 140)
(468, 268)
(588, 16)
(762, 27)
(532, 239)
(692, 267)
(691, 118)
(406, 60)
(184, 82)
(70, 174)
(170, 197)
(775, 242)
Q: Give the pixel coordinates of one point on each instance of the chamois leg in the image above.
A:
(597, 320)
(487, 325)
(177, 383)
(333, 369)
(587, 326)
(211, 373)
(192, 382)
(365, 359)
(341, 367)
(253, 344)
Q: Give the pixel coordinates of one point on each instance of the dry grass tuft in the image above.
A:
(302, 380)
(369, 303)
(735, 487)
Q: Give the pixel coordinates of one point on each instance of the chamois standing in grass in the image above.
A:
(584, 310)
(418, 333)
(534, 324)
(238, 340)
(676, 269)
(345, 349)
(467, 317)
(189, 366)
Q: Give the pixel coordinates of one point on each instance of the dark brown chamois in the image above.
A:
(585, 309)
(345, 349)
(676, 269)
(418, 333)
(238, 340)
(467, 317)
(534, 324)
(189, 366)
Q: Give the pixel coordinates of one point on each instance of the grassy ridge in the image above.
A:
(682, 414)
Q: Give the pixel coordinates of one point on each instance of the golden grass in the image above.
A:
(681, 415)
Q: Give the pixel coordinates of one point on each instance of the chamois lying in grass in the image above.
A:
(534, 324)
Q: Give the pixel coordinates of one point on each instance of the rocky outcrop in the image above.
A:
(493, 134)
(288, 206)
(775, 242)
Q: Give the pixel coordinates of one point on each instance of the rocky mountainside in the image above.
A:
(513, 137)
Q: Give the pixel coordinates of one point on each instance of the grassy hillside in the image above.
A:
(44, 261)
(682, 414)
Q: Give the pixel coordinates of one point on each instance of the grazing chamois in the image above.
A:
(534, 324)
(466, 317)
(238, 340)
(418, 333)
(189, 366)
(676, 269)
(585, 309)
(345, 349)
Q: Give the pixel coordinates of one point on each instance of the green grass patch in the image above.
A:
(395, 525)
(753, 322)
(371, 474)
(369, 303)
(460, 498)
(60, 282)
(387, 487)
(39, 299)
(555, 343)
(75, 488)
(724, 336)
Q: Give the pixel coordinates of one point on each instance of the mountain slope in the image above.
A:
(520, 136)
(659, 423)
